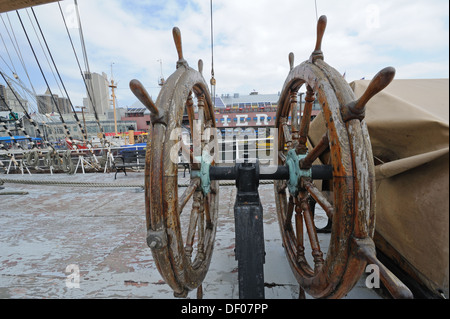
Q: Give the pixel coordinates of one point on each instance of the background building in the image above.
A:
(11, 100)
(252, 100)
(98, 93)
(46, 104)
(252, 110)
(140, 115)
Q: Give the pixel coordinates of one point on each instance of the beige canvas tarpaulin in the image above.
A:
(409, 130)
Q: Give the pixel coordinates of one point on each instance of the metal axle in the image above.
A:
(268, 172)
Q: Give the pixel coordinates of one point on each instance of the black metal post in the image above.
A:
(248, 215)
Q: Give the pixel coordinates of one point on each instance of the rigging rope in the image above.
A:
(20, 57)
(83, 44)
(7, 51)
(213, 80)
(82, 75)
(25, 111)
(86, 184)
(17, 120)
(33, 95)
(86, 63)
(18, 52)
(6, 63)
(67, 132)
(315, 4)
(43, 51)
(59, 76)
(17, 81)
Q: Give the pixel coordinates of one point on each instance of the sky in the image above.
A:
(252, 39)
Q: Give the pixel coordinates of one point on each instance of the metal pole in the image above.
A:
(112, 86)
(84, 120)
(248, 215)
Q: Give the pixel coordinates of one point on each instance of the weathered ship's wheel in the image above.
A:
(352, 206)
(182, 252)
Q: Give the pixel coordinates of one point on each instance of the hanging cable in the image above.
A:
(83, 48)
(16, 47)
(59, 76)
(13, 71)
(315, 4)
(22, 128)
(67, 132)
(75, 53)
(82, 75)
(18, 82)
(18, 124)
(6, 63)
(14, 43)
(7, 51)
(51, 149)
(16, 77)
(213, 80)
(38, 132)
(43, 51)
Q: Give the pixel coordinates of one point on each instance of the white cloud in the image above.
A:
(252, 40)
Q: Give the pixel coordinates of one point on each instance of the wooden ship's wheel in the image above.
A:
(182, 252)
(181, 228)
(351, 208)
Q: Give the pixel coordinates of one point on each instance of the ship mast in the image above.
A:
(113, 95)
(161, 78)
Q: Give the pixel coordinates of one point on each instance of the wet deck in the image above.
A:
(101, 232)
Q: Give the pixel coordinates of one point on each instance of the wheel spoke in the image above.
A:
(201, 231)
(299, 231)
(290, 210)
(312, 234)
(319, 198)
(193, 219)
(187, 194)
(295, 125)
(209, 224)
(299, 244)
(190, 110)
(306, 119)
(282, 157)
(286, 133)
(318, 150)
(281, 187)
(197, 131)
(201, 113)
